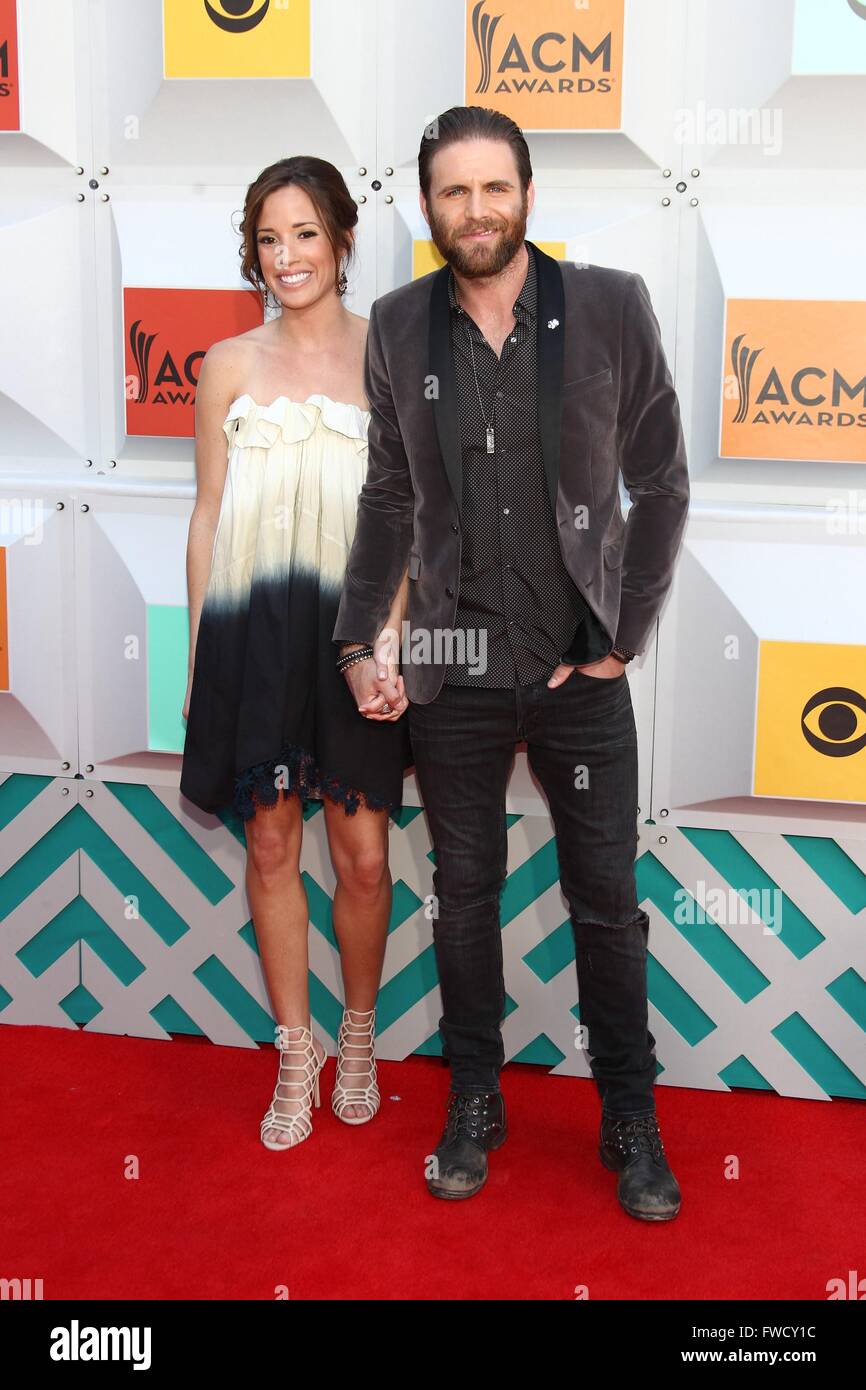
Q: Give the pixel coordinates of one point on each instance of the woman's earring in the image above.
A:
(342, 283)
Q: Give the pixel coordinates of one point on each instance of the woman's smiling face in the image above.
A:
(294, 251)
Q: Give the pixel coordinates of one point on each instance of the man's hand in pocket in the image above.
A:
(606, 669)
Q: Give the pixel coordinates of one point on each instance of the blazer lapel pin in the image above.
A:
(553, 323)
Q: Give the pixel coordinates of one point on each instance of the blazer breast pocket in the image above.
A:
(414, 564)
(586, 383)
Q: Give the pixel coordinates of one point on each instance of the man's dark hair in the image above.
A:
(472, 123)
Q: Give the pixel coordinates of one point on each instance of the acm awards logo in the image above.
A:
(796, 382)
(5, 85)
(237, 16)
(167, 333)
(172, 384)
(785, 399)
(540, 57)
(10, 115)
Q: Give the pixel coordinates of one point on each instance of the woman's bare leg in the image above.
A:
(280, 915)
(362, 907)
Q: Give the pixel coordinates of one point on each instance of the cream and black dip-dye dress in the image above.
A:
(269, 712)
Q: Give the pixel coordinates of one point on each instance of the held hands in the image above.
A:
(379, 691)
(606, 669)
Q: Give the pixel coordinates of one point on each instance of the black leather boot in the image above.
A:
(474, 1125)
(646, 1188)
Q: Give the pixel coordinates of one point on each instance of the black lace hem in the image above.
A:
(259, 787)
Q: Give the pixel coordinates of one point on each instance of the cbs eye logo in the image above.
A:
(236, 16)
(836, 722)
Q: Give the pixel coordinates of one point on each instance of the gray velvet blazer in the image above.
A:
(606, 405)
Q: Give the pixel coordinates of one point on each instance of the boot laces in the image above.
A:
(639, 1135)
(466, 1114)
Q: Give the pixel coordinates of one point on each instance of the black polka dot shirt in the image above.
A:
(513, 581)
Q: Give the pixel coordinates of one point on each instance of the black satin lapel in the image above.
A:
(444, 384)
(551, 337)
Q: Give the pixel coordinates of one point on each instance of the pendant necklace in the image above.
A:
(490, 435)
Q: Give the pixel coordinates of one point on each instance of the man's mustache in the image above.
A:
(496, 227)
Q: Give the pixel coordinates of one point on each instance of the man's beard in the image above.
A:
(480, 258)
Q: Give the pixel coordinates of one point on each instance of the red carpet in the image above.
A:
(346, 1215)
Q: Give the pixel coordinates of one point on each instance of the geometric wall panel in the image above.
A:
(38, 708)
(756, 107)
(133, 628)
(49, 83)
(762, 676)
(186, 99)
(770, 946)
(48, 368)
(40, 904)
(122, 915)
(173, 287)
(770, 344)
(559, 70)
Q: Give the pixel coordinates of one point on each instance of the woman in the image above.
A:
(272, 724)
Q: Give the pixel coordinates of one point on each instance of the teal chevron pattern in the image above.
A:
(120, 914)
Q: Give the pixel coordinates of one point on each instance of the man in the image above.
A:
(507, 391)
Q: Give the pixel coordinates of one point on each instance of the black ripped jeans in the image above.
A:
(582, 746)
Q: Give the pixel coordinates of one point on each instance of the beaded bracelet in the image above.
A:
(349, 658)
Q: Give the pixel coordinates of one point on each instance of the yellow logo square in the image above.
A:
(810, 736)
(236, 38)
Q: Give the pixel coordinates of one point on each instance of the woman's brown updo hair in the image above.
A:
(329, 195)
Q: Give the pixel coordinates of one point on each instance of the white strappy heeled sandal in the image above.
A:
(300, 1125)
(347, 1091)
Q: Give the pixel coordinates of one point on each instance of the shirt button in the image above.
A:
(499, 395)
(505, 511)
(514, 340)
